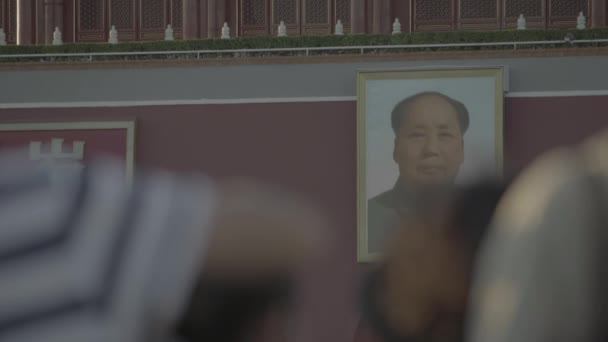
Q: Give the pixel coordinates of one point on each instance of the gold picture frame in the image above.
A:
(70, 126)
(407, 80)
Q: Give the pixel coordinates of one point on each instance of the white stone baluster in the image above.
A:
(169, 33)
(521, 22)
(2, 37)
(226, 31)
(396, 26)
(339, 29)
(57, 37)
(581, 21)
(113, 35)
(282, 29)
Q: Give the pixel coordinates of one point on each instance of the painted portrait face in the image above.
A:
(429, 146)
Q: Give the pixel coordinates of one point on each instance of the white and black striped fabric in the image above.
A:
(90, 258)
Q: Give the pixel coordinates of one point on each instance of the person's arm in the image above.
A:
(87, 257)
(260, 237)
(260, 230)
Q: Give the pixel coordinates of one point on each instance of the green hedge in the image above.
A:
(314, 41)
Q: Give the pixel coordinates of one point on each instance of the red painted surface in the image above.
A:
(534, 125)
(311, 148)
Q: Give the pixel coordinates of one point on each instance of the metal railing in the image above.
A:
(306, 51)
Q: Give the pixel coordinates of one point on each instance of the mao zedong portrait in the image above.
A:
(428, 150)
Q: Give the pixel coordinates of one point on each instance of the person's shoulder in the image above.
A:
(384, 199)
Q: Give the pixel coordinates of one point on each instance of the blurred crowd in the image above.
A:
(88, 258)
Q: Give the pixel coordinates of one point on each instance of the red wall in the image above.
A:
(534, 125)
(311, 148)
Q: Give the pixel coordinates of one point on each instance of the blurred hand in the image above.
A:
(260, 238)
(421, 289)
(426, 280)
(261, 231)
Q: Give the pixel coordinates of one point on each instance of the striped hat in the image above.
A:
(89, 257)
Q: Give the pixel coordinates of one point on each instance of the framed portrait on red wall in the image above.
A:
(71, 144)
(419, 129)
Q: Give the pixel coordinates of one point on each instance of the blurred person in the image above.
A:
(85, 257)
(541, 275)
(419, 291)
(428, 149)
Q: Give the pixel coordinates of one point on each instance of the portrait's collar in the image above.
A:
(407, 192)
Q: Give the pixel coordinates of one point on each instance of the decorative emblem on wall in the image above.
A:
(58, 160)
(62, 144)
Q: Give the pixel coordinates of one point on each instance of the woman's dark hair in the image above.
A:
(227, 311)
(471, 207)
(474, 207)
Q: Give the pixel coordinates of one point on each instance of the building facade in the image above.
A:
(91, 20)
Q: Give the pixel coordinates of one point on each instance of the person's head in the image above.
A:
(429, 146)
